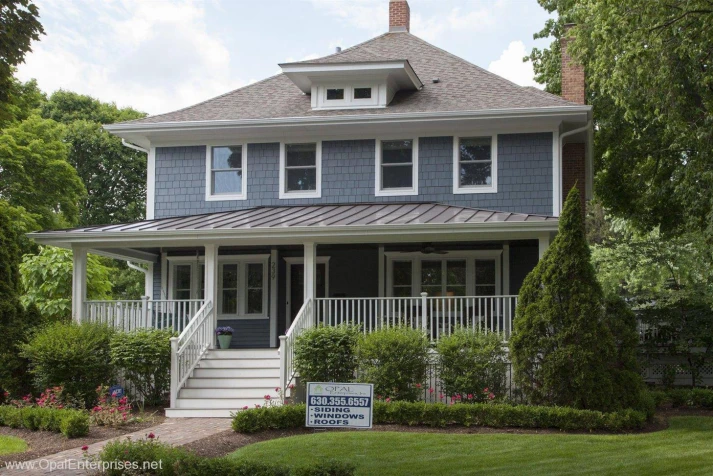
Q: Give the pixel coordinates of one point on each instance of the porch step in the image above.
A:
(225, 381)
(242, 381)
(199, 413)
(218, 403)
(226, 372)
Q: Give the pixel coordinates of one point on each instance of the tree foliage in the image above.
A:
(47, 281)
(36, 175)
(649, 78)
(19, 26)
(114, 175)
(563, 349)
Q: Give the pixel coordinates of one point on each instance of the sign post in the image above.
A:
(340, 405)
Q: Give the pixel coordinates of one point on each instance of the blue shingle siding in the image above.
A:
(249, 333)
(157, 281)
(348, 168)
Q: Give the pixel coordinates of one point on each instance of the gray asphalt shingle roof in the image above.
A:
(319, 216)
(463, 86)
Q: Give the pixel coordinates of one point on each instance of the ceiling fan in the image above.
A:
(428, 249)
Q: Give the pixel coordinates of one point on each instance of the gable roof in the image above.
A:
(462, 87)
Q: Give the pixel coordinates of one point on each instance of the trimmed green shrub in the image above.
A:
(471, 361)
(564, 351)
(136, 456)
(395, 360)
(144, 356)
(498, 415)
(684, 398)
(327, 354)
(269, 418)
(71, 423)
(73, 356)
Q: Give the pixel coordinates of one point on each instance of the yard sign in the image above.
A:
(340, 405)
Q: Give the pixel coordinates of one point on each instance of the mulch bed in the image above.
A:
(43, 443)
(228, 441)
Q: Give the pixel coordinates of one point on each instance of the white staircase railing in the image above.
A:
(303, 321)
(143, 313)
(188, 348)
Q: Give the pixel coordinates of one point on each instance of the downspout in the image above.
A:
(584, 128)
(148, 276)
(133, 146)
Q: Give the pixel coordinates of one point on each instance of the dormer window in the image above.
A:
(334, 94)
(362, 93)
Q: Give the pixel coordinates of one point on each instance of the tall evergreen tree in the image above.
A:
(563, 349)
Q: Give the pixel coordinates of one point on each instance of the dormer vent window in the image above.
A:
(335, 94)
(362, 93)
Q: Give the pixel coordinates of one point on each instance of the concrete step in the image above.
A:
(241, 382)
(239, 364)
(218, 403)
(216, 392)
(242, 354)
(199, 412)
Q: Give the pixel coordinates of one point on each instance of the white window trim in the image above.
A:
(284, 195)
(396, 192)
(195, 264)
(212, 197)
(493, 187)
(417, 257)
(242, 261)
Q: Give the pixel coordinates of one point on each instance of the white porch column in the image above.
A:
(544, 244)
(148, 282)
(310, 275)
(273, 297)
(211, 281)
(79, 282)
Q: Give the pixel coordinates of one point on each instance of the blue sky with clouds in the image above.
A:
(161, 55)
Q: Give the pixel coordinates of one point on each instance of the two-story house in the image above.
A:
(391, 182)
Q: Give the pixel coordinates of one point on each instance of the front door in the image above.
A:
(295, 287)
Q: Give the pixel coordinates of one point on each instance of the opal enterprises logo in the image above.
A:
(338, 389)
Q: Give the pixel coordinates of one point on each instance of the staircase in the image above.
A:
(227, 380)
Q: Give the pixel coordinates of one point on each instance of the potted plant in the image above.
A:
(225, 335)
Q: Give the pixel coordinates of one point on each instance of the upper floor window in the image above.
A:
(300, 170)
(475, 168)
(226, 174)
(334, 94)
(397, 167)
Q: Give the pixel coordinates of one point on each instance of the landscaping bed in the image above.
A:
(43, 443)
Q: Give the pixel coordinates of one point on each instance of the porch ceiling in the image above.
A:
(390, 222)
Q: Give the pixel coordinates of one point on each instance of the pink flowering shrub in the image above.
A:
(110, 411)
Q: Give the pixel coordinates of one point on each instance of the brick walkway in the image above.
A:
(174, 431)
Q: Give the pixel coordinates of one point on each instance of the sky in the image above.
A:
(161, 55)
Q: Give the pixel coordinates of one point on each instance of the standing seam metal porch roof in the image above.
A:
(318, 217)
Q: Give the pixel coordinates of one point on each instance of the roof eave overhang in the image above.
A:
(368, 233)
(305, 74)
(550, 111)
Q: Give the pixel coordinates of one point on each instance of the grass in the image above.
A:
(686, 447)
(10, 444)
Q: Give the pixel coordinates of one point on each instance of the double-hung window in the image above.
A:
(300, 170)
(475, 167)
(226, 174)
(397, 167)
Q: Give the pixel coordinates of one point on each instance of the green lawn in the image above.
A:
(685, 448)
(10, 444)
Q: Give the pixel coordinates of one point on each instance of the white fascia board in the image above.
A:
(296, 234)
(351, 119)
(303, 74)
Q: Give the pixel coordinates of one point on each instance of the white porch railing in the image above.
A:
(303, 321)
(188, 348)
(435, 315)
(143, 313)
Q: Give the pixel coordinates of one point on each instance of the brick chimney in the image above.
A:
(572, 72)
(399, 16)
(573, 153)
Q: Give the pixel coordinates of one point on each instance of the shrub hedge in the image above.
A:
(441, 415)
(178, 461)
(684, 397)
(327, 354)
(71, 423)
